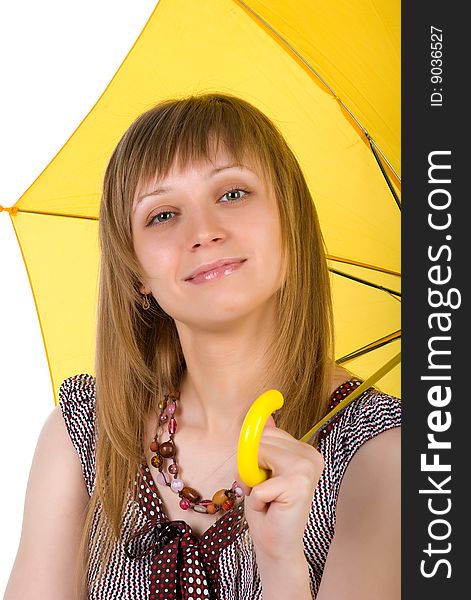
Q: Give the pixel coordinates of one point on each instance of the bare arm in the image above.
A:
(55, 504)
(364, 558)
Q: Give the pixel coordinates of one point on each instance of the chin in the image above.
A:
(232, 309)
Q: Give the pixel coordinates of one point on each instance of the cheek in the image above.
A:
(155, 259)
(265, 238)
(270, 237)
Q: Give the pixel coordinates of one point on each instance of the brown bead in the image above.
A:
(219, 497)
(156, 461)
(162, 404)
(211, 509)
(154, 446)
(190, 494)
(167, 449)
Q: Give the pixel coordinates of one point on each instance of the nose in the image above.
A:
(205, 229)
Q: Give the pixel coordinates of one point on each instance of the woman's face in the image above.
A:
(209, 212)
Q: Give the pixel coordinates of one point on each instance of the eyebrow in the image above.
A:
(164, 190)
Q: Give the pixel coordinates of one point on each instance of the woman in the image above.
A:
(213, 288)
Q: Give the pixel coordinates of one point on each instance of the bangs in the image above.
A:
(192, 131)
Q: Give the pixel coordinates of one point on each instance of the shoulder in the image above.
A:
(369, 415)
(366, 417)
(77, 397)
(370, 443)
(77, 388)
(374, 470)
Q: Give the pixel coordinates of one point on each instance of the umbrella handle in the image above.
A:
(250, 434)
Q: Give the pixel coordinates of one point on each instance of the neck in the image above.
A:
(225, 373)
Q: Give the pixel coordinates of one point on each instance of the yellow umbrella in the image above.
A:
(327, 75)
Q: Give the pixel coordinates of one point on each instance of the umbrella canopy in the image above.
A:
(327, 75)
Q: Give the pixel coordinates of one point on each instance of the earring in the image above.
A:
(145, 303)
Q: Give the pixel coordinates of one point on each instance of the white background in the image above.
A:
(56, 58)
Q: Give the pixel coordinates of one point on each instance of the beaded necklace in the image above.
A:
(190, 499)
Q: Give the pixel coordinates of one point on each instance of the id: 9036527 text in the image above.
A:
(436, 66)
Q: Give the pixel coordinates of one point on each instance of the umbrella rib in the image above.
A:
(54, 214)
(369, 382)
(383, 171)
(365, 282)
(311, 68)
(295, 52)
(384, 341)
(356, 263)
(35, 300)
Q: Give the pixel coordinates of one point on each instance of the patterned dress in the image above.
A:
(162, 559)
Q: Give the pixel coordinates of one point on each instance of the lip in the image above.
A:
(212, 266)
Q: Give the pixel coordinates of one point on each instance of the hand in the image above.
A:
(277, 509)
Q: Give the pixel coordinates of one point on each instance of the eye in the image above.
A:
(236, 191)
(156, 218)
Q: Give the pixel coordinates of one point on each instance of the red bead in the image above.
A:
(172, 426)
(154, 446)
(173, 469)
(228, 504)
(184, 504)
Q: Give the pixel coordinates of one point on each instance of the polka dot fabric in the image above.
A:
(183, 566)
(163, 559)
(339, 394)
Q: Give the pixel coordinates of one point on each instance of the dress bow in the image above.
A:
(177, 570)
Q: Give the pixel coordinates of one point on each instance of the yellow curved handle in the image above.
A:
(250, 434)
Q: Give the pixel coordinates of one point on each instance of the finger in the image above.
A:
(271, 490)
(277, 432)
(284, 456)
(268, 461)
(244, 487)
(270, 423)
(270, 428)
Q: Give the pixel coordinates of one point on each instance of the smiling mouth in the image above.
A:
(217, 272)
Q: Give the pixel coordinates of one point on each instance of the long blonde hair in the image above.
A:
(138, 353)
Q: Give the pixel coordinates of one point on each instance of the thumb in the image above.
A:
(270, 423)
(245, 488)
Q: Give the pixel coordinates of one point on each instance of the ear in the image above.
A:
(143, 289)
